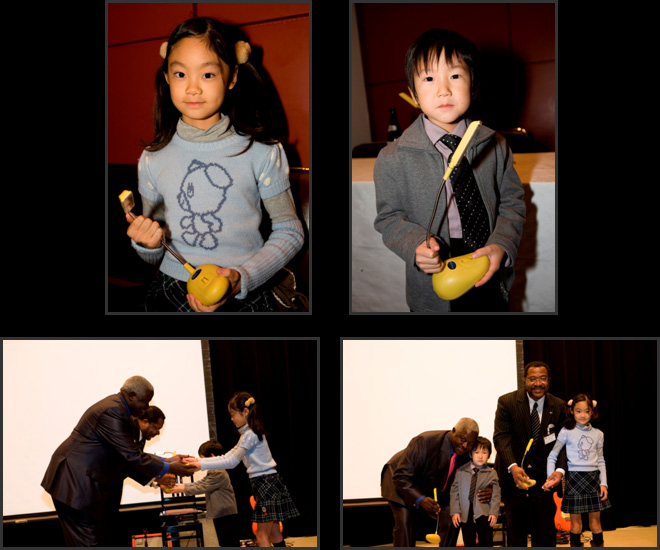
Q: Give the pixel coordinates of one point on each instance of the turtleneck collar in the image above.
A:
(218, 131)
(243, 429)
(586, 427)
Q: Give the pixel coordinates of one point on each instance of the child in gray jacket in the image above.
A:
(482, 216)
(474, 517)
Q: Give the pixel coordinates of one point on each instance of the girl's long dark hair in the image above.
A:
(245, 104)
(237, 403)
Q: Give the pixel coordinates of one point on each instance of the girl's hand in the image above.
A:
(234, 288)
(553, 480)
(492, 520)
(193, 462)
(144, 231)
(495, 254)
(603, 492)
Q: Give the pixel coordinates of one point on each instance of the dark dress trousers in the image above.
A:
(513, 430)
(414, 472)
(86, 473)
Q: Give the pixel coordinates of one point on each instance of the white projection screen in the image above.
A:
(48, 385)
(395, 389)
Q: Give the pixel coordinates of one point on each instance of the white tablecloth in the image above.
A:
(378, 275)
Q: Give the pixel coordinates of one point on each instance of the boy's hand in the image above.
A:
(495, 254)
(456, 520)
(428, 259)
(144, 231)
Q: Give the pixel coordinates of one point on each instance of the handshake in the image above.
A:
(180, 465)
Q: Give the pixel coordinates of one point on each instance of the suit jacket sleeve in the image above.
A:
(403, 477)
(496, 497)
(504, 432)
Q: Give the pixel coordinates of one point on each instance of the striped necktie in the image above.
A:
(536, 425)
(473, 483)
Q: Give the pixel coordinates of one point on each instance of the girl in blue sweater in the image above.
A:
(586, 479)
(273, 502)
(210, 167)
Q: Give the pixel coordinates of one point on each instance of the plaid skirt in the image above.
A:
(583, 493)
(169, 294)
(273, 502)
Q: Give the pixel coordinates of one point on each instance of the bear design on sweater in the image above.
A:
(203, 192)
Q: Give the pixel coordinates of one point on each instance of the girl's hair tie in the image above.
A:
(243, 51)
(595, 403)
(249, 401)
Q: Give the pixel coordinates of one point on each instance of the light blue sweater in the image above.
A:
(213, 207)
(584, 450)
(254, 454)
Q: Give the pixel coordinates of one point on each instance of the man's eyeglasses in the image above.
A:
(543, 379)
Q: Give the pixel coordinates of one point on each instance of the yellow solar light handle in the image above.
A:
(462, 147)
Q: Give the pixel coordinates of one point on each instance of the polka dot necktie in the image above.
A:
(471, 207)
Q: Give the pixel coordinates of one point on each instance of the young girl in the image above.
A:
(586, 479)
(273, 503)
(206, 172)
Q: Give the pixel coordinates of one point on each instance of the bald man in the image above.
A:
(429, 461)
(87, 471)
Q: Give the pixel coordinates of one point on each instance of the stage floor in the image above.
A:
(621, 538)
(211, 539)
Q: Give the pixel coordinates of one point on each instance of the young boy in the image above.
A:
(482, 217)
(474, 517)
(220, 499)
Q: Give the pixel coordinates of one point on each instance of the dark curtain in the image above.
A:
(281, 375)
(622, 376)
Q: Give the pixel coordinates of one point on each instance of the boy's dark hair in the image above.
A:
(428, 48)
(152, 415)
(211, 447)
(483, 442)
(570, 422)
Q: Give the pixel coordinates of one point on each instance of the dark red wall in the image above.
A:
(135, 33)
(517, 44)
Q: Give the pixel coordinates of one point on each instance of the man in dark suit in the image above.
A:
(429, 461)
(522, 415)
(87, 471)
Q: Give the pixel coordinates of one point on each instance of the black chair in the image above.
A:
(500, 527)
(180, 515)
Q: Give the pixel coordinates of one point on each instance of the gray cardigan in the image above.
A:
(407, 175)
(220, 498)
(460, 493)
